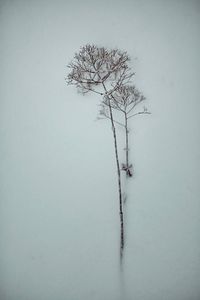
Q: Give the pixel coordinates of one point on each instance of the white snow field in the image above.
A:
(59, 217)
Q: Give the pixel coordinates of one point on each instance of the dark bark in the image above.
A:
(119, 189)
(119, 180)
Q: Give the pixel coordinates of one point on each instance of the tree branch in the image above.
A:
(139, 113)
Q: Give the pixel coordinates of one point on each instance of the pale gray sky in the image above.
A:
(59, 209)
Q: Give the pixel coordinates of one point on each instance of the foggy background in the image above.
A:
(59, 222)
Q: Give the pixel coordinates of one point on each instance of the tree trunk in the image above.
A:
(119, 187)
(119, 181)
(127, 165)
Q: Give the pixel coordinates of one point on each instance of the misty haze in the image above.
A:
(59, 208)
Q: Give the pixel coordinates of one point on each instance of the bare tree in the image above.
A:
(106, 72)
(125, 99)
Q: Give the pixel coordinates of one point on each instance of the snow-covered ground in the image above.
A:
(59, 222)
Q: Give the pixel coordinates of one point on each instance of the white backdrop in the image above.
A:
(59, 211)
